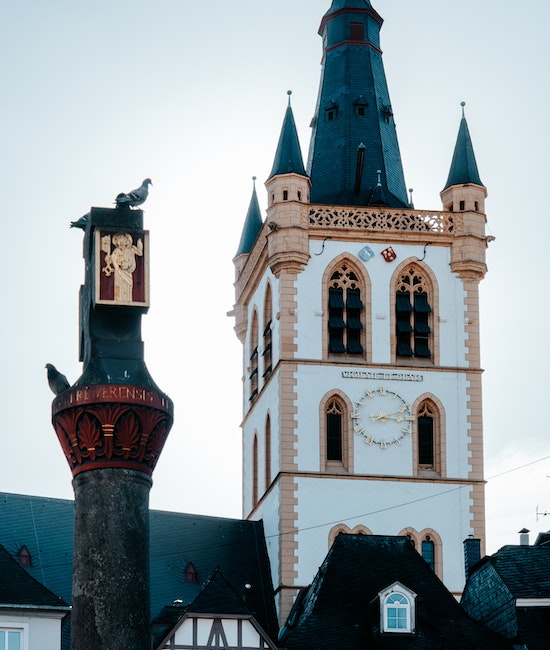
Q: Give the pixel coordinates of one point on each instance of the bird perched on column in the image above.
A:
(82, 222)
(57, 381)
(135, 197)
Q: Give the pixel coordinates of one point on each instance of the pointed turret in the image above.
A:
(354, 139)
(463, 166)
(288, 157)
(252, 224)
(464, 190)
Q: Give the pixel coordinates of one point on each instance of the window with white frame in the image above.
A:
(11, 638)
(397, 609)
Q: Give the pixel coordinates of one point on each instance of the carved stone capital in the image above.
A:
(112, 426)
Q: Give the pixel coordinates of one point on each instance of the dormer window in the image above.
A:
(331, 110)
(24, 556)
(397, 609)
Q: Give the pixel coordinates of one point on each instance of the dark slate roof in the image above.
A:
(338, 5)
(543, 539)
(216, 597)
(237, 547)
(463, 165)
(525, 570)
(17, 587)
(288, 157)
(354, 135)
(252, 225)
(340, 609)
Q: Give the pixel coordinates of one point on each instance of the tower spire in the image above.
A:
(463, 165)
(354, 132)
(288, 157)
(252, 223)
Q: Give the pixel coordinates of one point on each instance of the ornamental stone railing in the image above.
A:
(383, 220)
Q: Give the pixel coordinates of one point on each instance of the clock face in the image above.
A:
(382, 417)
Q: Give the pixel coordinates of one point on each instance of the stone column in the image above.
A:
(112, 425)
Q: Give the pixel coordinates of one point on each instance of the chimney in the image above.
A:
(472, 553)
(524, 537)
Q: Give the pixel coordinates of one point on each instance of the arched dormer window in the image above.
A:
(268, 318)
(413, 314)
(253, 368)
(397, 609)
(345, 311)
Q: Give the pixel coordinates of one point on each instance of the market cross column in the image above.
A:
(112, 425)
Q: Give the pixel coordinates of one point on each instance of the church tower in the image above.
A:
(359, 319)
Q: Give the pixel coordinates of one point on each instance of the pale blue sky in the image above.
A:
(98, 95)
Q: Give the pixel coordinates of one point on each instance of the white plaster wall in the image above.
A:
(386, 508)
(314, 381)
(255, 423)
(268, 511)
(41, 631)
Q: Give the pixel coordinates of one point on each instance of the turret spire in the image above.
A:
(463, 166)
(252, 224)
(354, 132)
(288, 158)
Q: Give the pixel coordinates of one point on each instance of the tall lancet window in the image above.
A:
(334, 415)
(253, 368)
(413, 314)
(345, 312)
(267, 353)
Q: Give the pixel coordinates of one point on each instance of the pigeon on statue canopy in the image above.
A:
(58, 382)
(82, 222)
(135, 197)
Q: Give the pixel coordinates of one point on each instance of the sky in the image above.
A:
(97, 96)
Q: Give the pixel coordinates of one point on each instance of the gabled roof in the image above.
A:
(463, 165)
(237, 547)
(18, 588)
(288, 157)
(342, 606)
(252, 225)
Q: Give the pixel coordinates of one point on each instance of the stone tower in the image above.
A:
(359, 319)
(112, 425)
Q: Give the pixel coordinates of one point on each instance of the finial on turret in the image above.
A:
(254, 182)
(289, 93)
(411, 204)
(379, 183)
(463, 104)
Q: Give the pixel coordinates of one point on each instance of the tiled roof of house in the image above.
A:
(19, 588)
(341, 607)
(237, 547)
(524, 569)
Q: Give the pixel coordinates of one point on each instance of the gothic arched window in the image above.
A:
(428, 551)
(345, 312)
(334, 429)
(426, 436)
(255, 471)
(267, 452)
(253, 368)
(267, 353)
(413, 314)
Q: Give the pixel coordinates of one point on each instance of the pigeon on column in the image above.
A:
(135, 197)
(57, 381)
